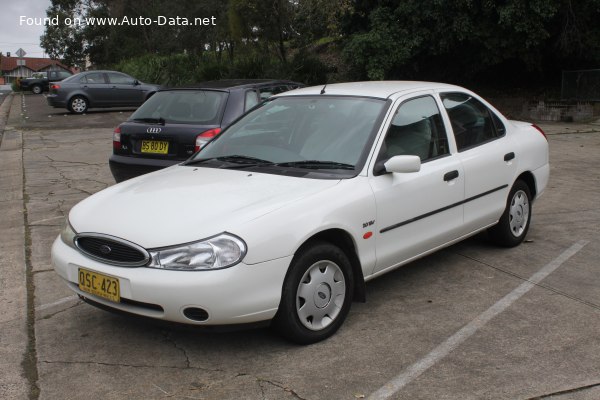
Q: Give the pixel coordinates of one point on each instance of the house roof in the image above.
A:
(35, 64)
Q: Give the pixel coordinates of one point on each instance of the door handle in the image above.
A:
(509, 156)
(448, 176)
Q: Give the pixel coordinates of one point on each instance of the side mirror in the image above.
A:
(136, 82)
(403, 164)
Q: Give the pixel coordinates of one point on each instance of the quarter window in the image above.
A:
(472, 122)
(251, 100)
(416, 129)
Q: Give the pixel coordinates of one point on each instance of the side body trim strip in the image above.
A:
(429, 214)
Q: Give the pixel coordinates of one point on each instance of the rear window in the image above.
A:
(202, 107)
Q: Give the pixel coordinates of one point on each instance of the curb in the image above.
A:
(4, 111)
(14, 331)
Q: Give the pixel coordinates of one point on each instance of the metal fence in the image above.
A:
(581, 85)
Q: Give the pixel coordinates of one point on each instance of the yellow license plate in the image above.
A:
(155, 146)
(99, 284)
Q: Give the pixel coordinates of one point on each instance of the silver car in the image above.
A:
(99, 89)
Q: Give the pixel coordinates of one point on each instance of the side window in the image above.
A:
(266, 92)
(417, 129)
(63, 75)
(94, 78)
(120, 79)
(472, 122)
(251, 100)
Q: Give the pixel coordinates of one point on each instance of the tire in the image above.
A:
(78, 104)
(513, 226)
(36, 89)
(317, 294)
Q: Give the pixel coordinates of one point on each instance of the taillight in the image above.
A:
(204, 138)
(55, 87)
(540, 130)
(117, 138)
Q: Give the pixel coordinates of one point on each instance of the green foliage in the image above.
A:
(319, 40)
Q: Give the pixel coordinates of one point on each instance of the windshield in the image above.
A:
(309, 132)
(202, 107)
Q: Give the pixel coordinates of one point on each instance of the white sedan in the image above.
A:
(286, 214)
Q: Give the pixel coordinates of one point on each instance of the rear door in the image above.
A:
(487, 155)
(417, 211)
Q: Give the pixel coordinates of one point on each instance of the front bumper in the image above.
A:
(237, 295)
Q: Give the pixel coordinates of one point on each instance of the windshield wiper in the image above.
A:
(316, 164)
(245, 161)
(159, 120)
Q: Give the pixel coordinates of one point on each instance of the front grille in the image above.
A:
(113, 251)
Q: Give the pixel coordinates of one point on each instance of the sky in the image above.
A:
(14, 36)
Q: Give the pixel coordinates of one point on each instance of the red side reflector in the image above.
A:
(540, 130)
(367, 235)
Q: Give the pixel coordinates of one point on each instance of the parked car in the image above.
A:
(97, 89)
(40, 81)
(286, 214)
(175, 123)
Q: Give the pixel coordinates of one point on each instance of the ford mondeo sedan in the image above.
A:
(286, 214)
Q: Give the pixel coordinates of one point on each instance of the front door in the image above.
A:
(417, 211)
(124, 90)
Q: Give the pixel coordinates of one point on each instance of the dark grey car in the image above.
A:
(98, 89)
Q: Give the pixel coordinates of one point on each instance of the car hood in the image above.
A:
(184, 204)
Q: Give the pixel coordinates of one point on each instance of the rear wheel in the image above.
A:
(317, 294)
(36, 89)
(514, 223)
(78, 104)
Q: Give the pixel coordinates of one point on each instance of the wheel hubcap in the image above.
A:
(320, 295)
(519, 213)
(78, 105)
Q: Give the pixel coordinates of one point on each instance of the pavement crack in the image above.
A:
(30, 360)
(280, 386)
(60, 312)
(567, 391)
(540, 285)
(39, 271)
(169, 339)
(107, 364)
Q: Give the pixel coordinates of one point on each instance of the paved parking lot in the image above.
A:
(471, 321)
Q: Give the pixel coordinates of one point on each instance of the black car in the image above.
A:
(99, 89)
(40, 81)
(175, 123)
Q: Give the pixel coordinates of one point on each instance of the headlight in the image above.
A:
(222, 251)
(67, 234)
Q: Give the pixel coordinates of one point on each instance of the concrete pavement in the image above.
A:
(543, 345)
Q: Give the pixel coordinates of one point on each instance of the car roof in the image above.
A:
(227, 84)
(378, 89)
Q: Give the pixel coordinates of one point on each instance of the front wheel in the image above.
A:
(514, 223)
(317, 294)
(36, 89)
(78, 105)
